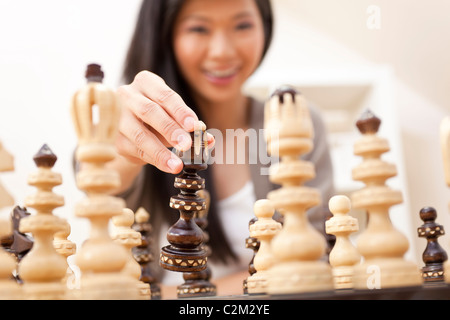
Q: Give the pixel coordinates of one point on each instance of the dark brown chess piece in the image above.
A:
(434, 255)
(18, 244)
(253, 244)
(185, 252)
(197, 284)
(143, 253)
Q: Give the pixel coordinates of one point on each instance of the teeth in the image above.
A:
(222, 73)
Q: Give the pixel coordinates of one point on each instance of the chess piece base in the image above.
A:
(144, 290)
(300, 276)
(433, 273)
(10, 290)
(447, 271)
(44, 291)
(186, 261)
(201, 288)
(257, 283)
(109, 286)
(386, 273)
(155, 291)
(343, 277)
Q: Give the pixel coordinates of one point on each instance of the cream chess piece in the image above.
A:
(43, 269)
(66, 248)
(298, 247)
(445, 149)
(6, 164)
(264, 229)
(129, 238)
(143, 253)
(344, 256)
(100, 259)
(381, 244)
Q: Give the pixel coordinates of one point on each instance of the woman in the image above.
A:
(188, 60)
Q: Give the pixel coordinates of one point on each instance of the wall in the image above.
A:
(320, 42)
(45, 47)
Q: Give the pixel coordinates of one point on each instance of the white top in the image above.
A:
(235, 212)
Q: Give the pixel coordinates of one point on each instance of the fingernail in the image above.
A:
(184, 142)
(174, 164)
(209, 137)
(211, 141)
(189, 123)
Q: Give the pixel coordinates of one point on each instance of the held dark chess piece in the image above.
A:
(434, 255)
(197, 284)
(185, 252)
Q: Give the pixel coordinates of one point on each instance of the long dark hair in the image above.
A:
(151, 49)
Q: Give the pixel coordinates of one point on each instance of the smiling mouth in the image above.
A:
(221, 73)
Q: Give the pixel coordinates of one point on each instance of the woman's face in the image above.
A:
(218, 44)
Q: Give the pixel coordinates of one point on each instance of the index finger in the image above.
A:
(154, 88)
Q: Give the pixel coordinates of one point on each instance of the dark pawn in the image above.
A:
(253, 244)
(18, 244)
(143, 253)
(434, 255)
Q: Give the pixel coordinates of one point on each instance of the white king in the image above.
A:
(298, 247)
(95, 114)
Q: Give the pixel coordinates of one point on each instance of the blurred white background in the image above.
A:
(360, 46)
(45, 47)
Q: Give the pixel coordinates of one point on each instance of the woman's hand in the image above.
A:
(154, 117)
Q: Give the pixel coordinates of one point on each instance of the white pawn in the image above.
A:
(129, 238)
(66, 248)
(344, 255)
(264, 229)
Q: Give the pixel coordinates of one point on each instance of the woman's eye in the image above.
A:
(244, 26)
(198, 29)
